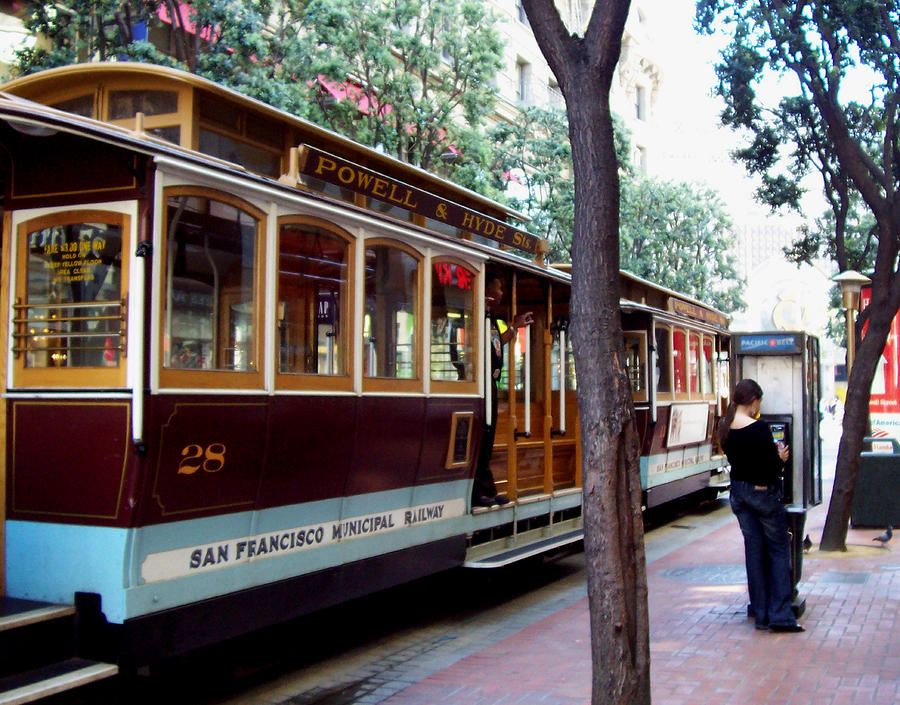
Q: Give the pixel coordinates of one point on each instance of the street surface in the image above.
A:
(364, 652)
(370, 649)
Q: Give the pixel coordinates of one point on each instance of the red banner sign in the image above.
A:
(885, 394)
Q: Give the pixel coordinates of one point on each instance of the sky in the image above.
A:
(693, 145)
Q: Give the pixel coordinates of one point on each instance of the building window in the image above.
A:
(555, 97)
(211, 285)
(521, 15)
(640, 159)
(523, 82)
(70, 316)
(313, 302)
(446, 55)
(640, 103)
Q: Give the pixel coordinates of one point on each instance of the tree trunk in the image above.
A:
(856, 414)
(614, 541)
(614, 533)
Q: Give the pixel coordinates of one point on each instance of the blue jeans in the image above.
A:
(767, 551)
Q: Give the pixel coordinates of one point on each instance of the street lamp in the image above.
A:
(851, 282)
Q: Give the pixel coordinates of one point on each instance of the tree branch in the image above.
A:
(865, 173)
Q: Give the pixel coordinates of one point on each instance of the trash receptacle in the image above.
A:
(876, 497)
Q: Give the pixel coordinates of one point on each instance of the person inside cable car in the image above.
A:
(484, 491)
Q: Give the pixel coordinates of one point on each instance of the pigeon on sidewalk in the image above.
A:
(807, 543)
(885, 537)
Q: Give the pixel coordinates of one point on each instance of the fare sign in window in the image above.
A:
(70, 308)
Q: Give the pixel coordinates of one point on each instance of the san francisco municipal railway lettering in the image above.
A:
(416, 516)
(201, 558)
(166, 565)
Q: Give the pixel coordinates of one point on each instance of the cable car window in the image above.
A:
(219, 112)
(171, 133)
(635, 363)
(723, 378)
(663, 368)
(266, 131)
(211, 306)
(706, 378)
(694, 362)
(391, 307)
(70, 311)
(452, 322)
(554, 363)
(679, 360)
(313, 265)
(251, 157)
(82, 105)
(127, 103)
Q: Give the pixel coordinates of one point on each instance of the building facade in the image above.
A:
(526, 78)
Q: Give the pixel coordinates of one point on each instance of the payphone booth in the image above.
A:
(786, 366)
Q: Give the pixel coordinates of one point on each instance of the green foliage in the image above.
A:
(827, 125)
(420, 70)
(675, 234)
(412, 77)
(847, 136)
(534, 166)
(225, 41)
(679, 235)
(850, 138)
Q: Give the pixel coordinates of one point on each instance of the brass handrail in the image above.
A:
(18, 349)
(51, 323)
(20, 306)
(70, 319)
(70, 334)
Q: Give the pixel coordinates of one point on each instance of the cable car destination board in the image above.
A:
(346, 174)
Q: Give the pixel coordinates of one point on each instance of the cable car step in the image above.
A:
(15, 613)
(502, 558)
(55, 678)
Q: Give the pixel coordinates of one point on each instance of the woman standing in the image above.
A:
(756, 500)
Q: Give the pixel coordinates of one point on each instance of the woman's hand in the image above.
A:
(783, 451)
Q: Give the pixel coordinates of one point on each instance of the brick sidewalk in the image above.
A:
(704, 650)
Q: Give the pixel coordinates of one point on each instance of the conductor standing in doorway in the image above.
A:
(484, 491)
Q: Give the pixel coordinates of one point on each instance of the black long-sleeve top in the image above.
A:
(753, 454)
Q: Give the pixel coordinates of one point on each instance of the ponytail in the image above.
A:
(725, 423)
